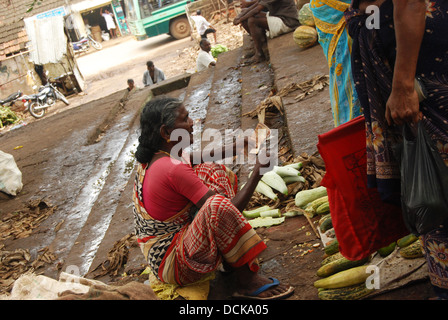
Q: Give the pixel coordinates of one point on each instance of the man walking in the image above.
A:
(203, 26)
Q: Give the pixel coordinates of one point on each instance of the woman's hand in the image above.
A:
(263, 160)
(403, 106)
(244, 195)
(409, 23)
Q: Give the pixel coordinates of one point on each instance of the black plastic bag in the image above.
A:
(424, 181)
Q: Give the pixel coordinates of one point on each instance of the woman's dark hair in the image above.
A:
(158, 111)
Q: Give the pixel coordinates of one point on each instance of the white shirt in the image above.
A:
(201, 24)
(109, 20)
(158, 76)
(203, 61)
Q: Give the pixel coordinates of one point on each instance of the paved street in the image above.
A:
(106, 71)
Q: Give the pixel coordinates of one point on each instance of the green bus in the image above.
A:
(149, 18)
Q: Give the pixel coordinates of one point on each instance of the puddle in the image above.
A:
(119, 170)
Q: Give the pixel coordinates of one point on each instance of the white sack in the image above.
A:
(10, 175)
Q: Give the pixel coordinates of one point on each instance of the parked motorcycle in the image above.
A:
(47, 96)
(9, 101)
(85, 43)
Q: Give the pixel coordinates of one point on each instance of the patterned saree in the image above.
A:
(182, 249)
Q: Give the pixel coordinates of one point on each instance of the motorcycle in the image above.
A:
(47, 96)
(84, 44)
(9, 101)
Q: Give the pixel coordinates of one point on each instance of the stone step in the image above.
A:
(257, 82)
(224, 105)
(108, 192)
(196, 99)
(307, 118)
(175, 83)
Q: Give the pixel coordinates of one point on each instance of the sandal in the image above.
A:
(254, 294)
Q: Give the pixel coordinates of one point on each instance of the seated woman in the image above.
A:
(169, 187)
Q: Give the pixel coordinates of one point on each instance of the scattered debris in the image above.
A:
(317, 83)
(14, 264)
(18, 225)
(274, 100)
(116, 257)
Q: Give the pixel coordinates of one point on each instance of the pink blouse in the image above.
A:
(168, 186)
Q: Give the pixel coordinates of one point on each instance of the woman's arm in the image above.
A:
(221, 153)
(243, 196)
(409, 20)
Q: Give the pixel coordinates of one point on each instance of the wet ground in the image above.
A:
(80, 160)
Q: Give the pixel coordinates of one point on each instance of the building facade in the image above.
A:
(17, 71)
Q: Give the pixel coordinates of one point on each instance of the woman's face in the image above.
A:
(184, 122)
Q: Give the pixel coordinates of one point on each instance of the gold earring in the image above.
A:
(168, 140)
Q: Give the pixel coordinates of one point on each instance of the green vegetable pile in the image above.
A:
(7, 116)
(218, 49)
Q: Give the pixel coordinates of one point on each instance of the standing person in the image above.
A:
(152, 75)
(411, 42)
(275, 16)
(188, 215)
(205, 58)
(203, 27)
(336, 44)
(109, 22)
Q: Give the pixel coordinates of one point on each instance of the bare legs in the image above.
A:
(112, 33)
(257, 26)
